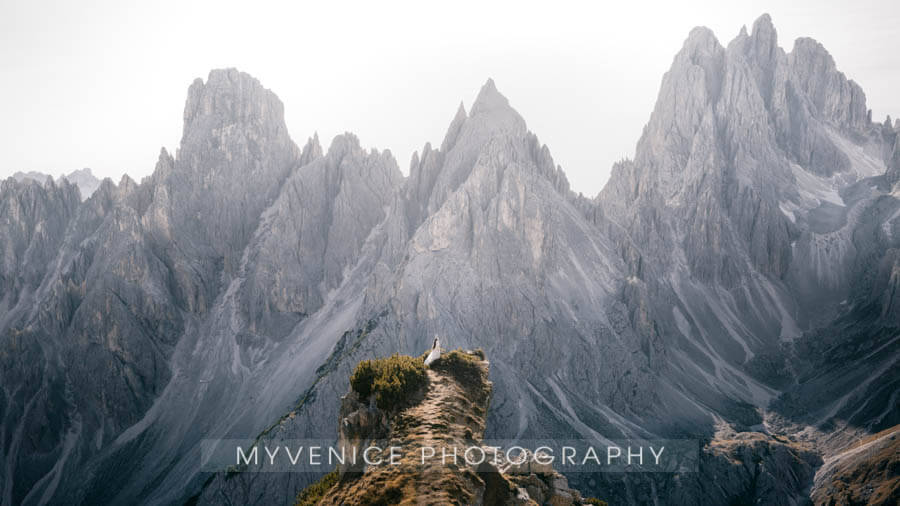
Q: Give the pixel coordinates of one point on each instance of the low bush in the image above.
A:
(393, 381)
(311, 495)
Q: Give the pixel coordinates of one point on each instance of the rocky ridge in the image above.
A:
(450, 416)
(84, 179)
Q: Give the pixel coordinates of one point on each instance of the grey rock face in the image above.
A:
(33, 220)
(893, 171)
(734, 468)
(84, 179)
(755, 213)
(234, 155)
(719, 180)
(97, 339)
(742, 268)
(40, 177)
(93, 344)
(294, 266)
(510, 222)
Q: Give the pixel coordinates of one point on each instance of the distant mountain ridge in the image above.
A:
(735, 282)
(83, 178)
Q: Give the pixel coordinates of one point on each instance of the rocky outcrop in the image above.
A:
(867, 472)
(449, 418)
(893, 171)
(734, 468)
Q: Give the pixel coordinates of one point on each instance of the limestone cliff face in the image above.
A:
(235, 154)
(93, 343)
(755, 200)
(33, 219)
(324, 214)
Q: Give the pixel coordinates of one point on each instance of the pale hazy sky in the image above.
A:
(103, 84)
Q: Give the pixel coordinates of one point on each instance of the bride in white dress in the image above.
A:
(435, 352)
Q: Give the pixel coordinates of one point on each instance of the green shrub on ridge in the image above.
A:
(393, 380)
(312, 494)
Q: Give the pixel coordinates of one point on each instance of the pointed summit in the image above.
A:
(489, 98)
(700, 41)
(164, 163)
(763, 24)
(835, 97)
(234, 137)
(454, 128)
(311, 151)
(764, 35)
(460, 112)
(493, 113)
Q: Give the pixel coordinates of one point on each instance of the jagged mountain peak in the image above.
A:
(231, 97)
(764, 37)
(434, 174)
(311, 151)
(461, 111)
(489, 95)
(85, 172)
(348, 144)
(33, 176)
(343, 144)
(492, 108)
(84, 179)
(811, 48)
(452, 130)
(700, 41)
(232, 114)
(165, 163)
(832, 96)
(763, 25)
(234, 155)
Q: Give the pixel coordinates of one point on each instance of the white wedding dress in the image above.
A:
(435, 352)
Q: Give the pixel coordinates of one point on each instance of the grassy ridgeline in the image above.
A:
(463, 366)
(395, 380)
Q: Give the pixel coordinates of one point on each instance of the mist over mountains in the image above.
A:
(738, 281)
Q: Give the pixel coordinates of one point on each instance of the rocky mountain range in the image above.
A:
(737, 281)
(84, 179)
